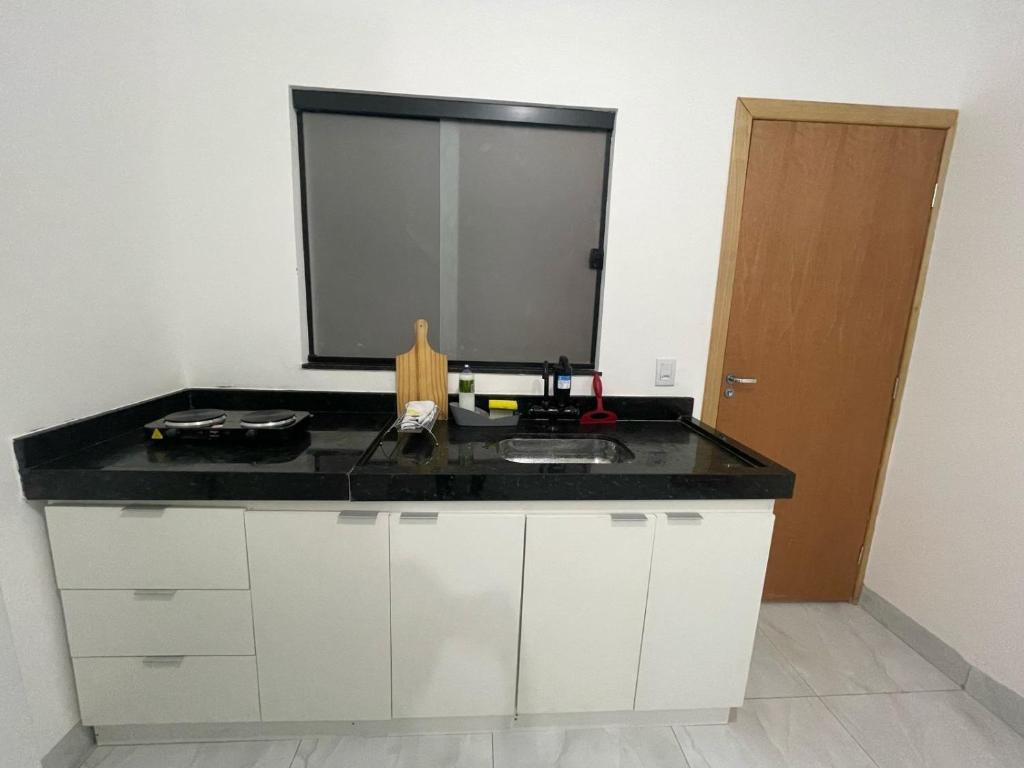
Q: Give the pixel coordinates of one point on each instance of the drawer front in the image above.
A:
(190, 689)
(158, 622)
(148, 547)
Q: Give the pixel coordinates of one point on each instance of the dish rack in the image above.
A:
(396, 426)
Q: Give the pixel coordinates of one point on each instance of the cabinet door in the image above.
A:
(705, 594)
(584, 591)
(320, 609)
(455, 595)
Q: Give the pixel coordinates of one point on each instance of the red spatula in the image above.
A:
(599, 415)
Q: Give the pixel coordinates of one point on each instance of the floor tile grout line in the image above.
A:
(891, 693)
(298, 746)
(884, 629)
(842, 725)
(909, 647)
(492, 749)
(679, 744)
(782, 653)
(821, 697)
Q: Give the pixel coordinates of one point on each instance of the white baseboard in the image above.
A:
(930, 646)
(1003, 702)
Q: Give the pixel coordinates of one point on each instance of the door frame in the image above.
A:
(748, 110)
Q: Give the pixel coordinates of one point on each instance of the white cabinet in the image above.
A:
(321, 611)
(584, 593)
(167, 689)
(455, 595)
(143, 622)
(706, 579)
(147, 547)
(365, 615)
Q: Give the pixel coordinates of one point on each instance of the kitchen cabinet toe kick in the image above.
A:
(169, 733)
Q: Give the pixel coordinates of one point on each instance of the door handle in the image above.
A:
(159, 594)
(732, 378)
(153, 661)
(628, 517)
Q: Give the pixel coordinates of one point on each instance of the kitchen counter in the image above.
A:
(678, 459)
(182, 613)
(347, 456)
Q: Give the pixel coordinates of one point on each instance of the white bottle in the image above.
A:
(467, 387)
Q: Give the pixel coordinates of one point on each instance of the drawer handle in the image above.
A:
(423, 516)
(142, 510)
(156, 593)
(629, 517)
(684, 517)
(358, 514)
(154, 661)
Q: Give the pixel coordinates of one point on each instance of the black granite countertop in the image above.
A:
(348, 455)
(679, 459)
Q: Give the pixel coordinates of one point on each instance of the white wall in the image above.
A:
(146, 142)
(81, 259)
(673, 70)
(17, 743)
(949, 542)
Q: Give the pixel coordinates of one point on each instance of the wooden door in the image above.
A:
(833, 227)
(702, 604)
(456, 581)
(584, 594)
(321, 612)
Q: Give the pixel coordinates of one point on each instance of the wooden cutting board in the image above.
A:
(422, 374)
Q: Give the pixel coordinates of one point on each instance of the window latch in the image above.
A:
(596, 260)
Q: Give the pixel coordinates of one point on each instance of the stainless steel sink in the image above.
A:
(564, 450)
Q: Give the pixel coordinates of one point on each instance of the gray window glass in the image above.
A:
(483, 229)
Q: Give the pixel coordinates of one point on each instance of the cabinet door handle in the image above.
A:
(425, 516)
(153, 661)
(684, 517)
(358, 514)
(143, 593)
(629, 517)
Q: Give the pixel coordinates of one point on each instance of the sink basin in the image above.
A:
(564, 450)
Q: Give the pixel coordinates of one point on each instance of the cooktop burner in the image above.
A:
(194, 419)
(268, 419)
(215, 424)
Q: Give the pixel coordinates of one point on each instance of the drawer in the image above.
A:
(158, 622)
(189, 689)
(148, 547)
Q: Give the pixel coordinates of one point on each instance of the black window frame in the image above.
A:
(466, 110)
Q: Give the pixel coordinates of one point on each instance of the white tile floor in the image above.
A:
(829, 687)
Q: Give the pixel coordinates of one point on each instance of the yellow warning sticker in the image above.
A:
(157, 435)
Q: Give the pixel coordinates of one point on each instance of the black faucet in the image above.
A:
(561, 409)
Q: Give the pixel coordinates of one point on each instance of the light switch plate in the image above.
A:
(665, 372)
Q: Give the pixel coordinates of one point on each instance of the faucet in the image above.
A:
(561, 409)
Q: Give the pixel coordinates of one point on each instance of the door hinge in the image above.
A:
(596, 260)
(860, 556)
(935, 194)
(895, 387)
